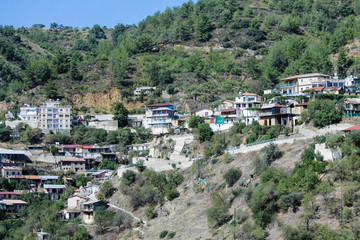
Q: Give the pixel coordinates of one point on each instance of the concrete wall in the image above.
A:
(327, 153)
(13, 124)
(110, 125)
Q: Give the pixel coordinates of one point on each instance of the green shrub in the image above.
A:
(172, 194)
(232, 176)
(150, 212)
(214, 161)
(272, 153)
(163, 234)
(218, 213)
(171, 235)
(227, 158)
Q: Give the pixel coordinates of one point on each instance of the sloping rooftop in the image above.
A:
(10, 202)
(353, 100)
(29, 177)
(356, 127)
(315, 89)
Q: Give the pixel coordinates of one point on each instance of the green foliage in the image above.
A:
(128, 177)
(150, 212)
(163, 234)
(102, 218)
(106, 189)
(171, 235)
(218, 213)
(324, 112)
(140, 165)
(4, 133)
(272, 153)
(195, 121)
(232, 176)
(31, 136)
(107, 164)
(120, 114)
(205, 132)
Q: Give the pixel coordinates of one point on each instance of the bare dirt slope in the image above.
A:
(186, 215)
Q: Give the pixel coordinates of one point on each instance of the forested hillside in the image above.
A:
(204, 51)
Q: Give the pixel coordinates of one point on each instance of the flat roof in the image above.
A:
(73, 160)
(160, 105)
(13, 168)
(49, 177)
(16, 152)
(54, 186)
(228, 110)
(306, 76)
(9, 193)
(29, 177)
(272, 106)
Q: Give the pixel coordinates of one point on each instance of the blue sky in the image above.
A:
(80, 13)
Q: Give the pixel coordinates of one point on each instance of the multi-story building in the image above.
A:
(74, 164)
(275, 114)
(247, 103)
(352, 107)
(54, 191)
(299, 83)
(351, 81)
(28, 113)
(159, 117)
(54, 117)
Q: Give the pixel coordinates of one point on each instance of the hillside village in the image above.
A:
(172, 137)
(216, 119)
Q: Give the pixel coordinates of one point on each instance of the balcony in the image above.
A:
(288, 85)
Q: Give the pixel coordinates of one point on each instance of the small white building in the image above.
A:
(28, 113)
(145, 90)
(73, 207)
(204, 112)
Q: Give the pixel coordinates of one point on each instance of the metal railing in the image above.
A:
(288, 85)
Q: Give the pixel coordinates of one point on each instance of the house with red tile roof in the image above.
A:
(74, 164)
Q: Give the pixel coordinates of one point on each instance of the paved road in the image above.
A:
(304, 133)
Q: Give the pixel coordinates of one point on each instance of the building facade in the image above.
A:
(54, 117)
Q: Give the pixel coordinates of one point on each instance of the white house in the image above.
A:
(204, 112)
(145, 90)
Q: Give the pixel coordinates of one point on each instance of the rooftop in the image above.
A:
(29, 177)
(73, 160)
(49, 177)
(9, 193)
(272, 105)
(356, 127)
(250, 94)
(315, 89)
(160, 105)
(306, 76)
(10, 202)
(13, 168)
(16, 152)
(228, 110)
(353, 100)
(54, 186)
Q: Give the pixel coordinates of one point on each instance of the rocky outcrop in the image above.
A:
(99, 101)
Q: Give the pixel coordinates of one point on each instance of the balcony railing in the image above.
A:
(288, 85)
